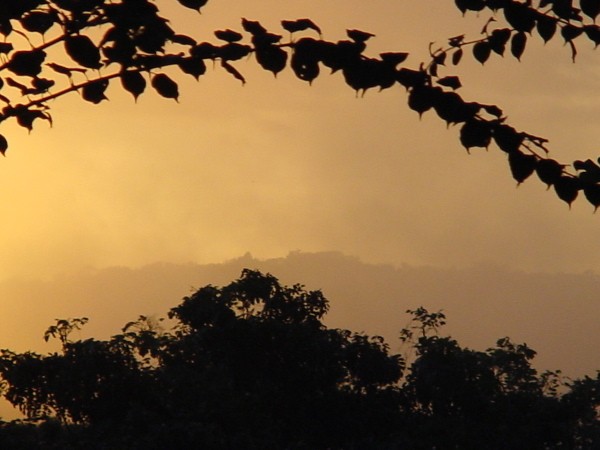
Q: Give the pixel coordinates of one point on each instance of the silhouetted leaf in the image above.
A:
(567, 188)
(521, 165)
(470, 5)
(165, 86)
(546, 27)
(549, 171)
(570, 32)
(183, 39)
(94, 91)
(253, 27)
(134, 83)
(507, 138)
(590, 8)
(5, 48)
(493, 110)
(476, 133)
(195, 67)
(592, 194)
(271, 58)
(38, 21)
(421, 98)
(517, 44)
(234, 51)
(457, 56)
(28, 63)
(300, 25)
(498, 40)
(410, 78)
(359, 36)
(193, 4)
(394, 58)
(593, 33)
(482, 51)
(450, 81)
(520, 16)
(83, 51)
(228, 35)
(233, 71)
(450, 107)
(3, 145)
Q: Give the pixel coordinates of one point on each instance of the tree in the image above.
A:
(128, 42)
(251, 365)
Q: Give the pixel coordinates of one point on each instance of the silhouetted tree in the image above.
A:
(251, 365)
(135, 44)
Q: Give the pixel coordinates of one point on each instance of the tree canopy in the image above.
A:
(252, 365)
(55, 47)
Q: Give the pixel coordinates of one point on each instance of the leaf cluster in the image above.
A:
(136, 44)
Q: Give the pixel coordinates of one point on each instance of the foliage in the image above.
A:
(106, 42)
(252, 365)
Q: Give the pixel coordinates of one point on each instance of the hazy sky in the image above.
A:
(277, 165)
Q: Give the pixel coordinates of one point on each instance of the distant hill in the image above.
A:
(556, 314)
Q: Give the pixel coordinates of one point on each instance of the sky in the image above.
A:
(278, 166)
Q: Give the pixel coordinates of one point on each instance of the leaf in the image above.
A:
(592, 194)
(300, 25)
(183, 39)
(567, 188)
(394, 58)
(498, 40)
(83, 51)
(3, 145)
(521, 165)
(570, 32)
(38, 21)
(469, 5)
(134, 83)
(546, 27)
(482, 51)
(228, 35)
(233, 71)
(94, 91)
(457, 56)
(507, 138)
(549, 171)
(493, 110)
(451, 108)
(475, 133)
(593, 33)
(195, 67)
(193, 4)
(234, 51)
(165, 86)
(517, 44)
(520, 16)
(450, 81)
(421, 98)
(411, 78)
(590, 8)
(253, 27)
(27, 63)
(359, 36)
(271, 58)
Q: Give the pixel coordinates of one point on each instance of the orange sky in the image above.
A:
(277, 166)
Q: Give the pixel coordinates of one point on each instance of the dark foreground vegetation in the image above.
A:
(252, 366)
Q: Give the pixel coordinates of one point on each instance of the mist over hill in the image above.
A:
(556, 314)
